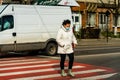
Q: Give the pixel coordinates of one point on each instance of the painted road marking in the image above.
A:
(58, 75)
(23, 63)
(96, 77)
(36, 68)
(33, 71)
(17, 61)
(29, 66)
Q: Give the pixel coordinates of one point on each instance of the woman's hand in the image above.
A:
(73, 45)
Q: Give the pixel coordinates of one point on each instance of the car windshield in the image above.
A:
(2, 7)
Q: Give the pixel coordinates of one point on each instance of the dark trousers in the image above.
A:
(62, 61)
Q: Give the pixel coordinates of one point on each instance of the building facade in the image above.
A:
(100, 14)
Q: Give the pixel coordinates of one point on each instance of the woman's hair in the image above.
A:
(66, 22)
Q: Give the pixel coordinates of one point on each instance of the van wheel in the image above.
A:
(51, 49)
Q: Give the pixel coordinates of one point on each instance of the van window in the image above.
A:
(7, 22)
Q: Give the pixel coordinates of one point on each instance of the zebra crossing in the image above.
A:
(31, 68)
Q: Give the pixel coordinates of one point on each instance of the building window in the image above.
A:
(102, 19)
(76, 18)
(116, 21)
(91, 20)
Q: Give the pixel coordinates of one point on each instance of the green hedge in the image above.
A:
(110, 34)
(90, 33)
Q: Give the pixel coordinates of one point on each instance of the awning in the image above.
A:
(91, 7)
(68, 3)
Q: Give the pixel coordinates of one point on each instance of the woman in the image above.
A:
(66, 43)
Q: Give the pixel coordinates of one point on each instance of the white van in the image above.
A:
(31, 27)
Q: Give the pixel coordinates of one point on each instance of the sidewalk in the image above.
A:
(97, 42)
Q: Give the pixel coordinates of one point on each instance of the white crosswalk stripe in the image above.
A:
(33, 66)
(96, 77)
(37, 69)
(23, 63)
(17, 61)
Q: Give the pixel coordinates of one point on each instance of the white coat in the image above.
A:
(65, 39)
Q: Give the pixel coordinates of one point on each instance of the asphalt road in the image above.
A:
(106, 56)
(102, 55)
(111, 60)
(98, 49)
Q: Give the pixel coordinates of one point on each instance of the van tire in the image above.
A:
(51, 49)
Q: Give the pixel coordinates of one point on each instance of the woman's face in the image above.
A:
(67, 26)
